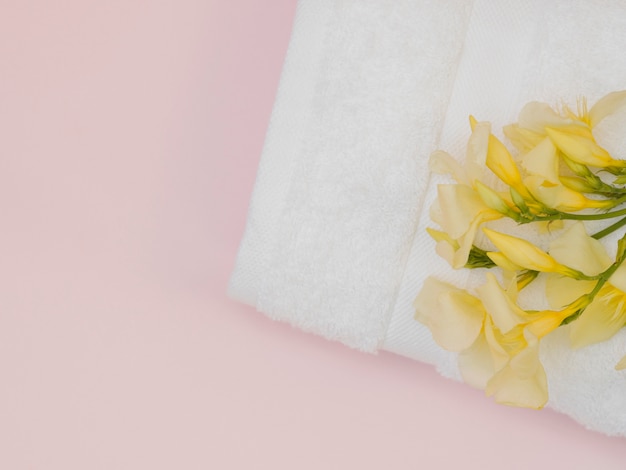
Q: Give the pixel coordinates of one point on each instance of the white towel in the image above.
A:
(335, 241)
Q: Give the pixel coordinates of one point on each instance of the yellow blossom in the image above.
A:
(459, 211)
(493, 200)
(497, 351)
(562, 198)
(523, 253)
(500, 161)
(606, 314)
(604, 317)
(582, 150)
(556, 173)
(571, 133)
(544, 322)
(506, 366)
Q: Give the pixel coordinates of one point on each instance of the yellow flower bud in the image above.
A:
(546, 321)
(525, 254)
(503, 262)
(577, 184)
(500, 161)
(493, 200)
(562, 198)
(583, 150)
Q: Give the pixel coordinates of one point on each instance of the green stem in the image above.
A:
(610, 229)
(603, 278)
(568, 216)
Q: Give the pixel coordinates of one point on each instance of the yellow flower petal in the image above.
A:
(453, 316)
(443, 163)
(576, 249)
(604, 317)
(522, 139)
(560, 197)
(522, 382)
(477, 147)
(543, 161)
(581, 150)
(499, 305)
(606, 106)
(547, 321)
(503, 262)
(500, 161)
(536, 116)
(492, 199)
(476, 364)
(459, 205)
(522, 252)
(562, 290)
(484, 358)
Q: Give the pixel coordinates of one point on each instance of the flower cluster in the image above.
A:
(562, 177)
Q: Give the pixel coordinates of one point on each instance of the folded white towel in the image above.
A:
(335, 241)
(362, 99)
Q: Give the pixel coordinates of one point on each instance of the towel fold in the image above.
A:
(344, 171)
(335, 241)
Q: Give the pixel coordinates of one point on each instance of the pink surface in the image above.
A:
(130, 132)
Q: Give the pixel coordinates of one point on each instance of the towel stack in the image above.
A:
(335, 242)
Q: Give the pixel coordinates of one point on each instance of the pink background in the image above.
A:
(130, 132)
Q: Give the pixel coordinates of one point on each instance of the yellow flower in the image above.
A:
(459, 211)
(506, 366)
(603, 318)
(544, 183)
(497, 351)
(546, 136)
(544, 322)
(494, 201)
(501, 163)
(570, 133)
(606, 314)
(526, 255)
(583, 150)
(561, 197)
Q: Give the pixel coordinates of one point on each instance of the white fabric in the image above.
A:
(335, 241)
(364, 92)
